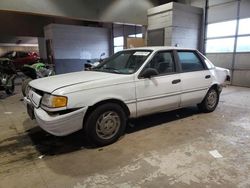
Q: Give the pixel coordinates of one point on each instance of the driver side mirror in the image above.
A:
(148, 73)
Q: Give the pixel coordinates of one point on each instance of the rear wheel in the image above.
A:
(105, 124)
(210, 101)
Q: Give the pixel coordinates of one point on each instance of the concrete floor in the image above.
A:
(165, 150)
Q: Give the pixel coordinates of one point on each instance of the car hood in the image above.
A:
(52, 83)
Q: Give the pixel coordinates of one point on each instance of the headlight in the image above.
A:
(53, 101)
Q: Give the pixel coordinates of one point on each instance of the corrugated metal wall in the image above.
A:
(237, 62)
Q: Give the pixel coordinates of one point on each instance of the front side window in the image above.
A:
(124, 62)
(190, 62)
(162, 62)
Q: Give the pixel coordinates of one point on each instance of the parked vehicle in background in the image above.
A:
(21, 58)
(34, 71)
(7, 75)
(129, 84)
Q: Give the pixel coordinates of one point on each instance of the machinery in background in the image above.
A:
(92, 63)
(37, 70)
(7, 75)
(20, 58)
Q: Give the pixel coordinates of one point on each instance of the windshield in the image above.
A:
(124, 62)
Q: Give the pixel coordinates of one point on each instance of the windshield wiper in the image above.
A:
(109, 69)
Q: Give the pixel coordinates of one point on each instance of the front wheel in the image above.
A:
(210, 101)
(105, 124)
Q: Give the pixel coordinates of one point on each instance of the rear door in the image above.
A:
(161, 92)
(195, 77)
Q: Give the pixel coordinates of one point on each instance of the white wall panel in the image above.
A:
(186, 19)
(245, 9)
(218, 2)
(162, 20)
(221, 59)
(241, 78)
(242, 61)
(71, 41)
(222, 12)
(160, 9)
(198, 3)
(74, 45)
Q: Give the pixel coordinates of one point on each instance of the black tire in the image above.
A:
(208, 105)
(94, 119)
(25, 85)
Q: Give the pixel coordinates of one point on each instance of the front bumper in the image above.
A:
(59, 125)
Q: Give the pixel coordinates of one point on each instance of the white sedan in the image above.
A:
(129, 84)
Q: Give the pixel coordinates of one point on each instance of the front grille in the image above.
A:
(35, 96)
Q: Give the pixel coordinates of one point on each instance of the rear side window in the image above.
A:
(190, 62)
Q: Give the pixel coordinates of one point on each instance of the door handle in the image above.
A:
(207, 76)
(176, 81)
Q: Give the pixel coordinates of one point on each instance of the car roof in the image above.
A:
(155, 48)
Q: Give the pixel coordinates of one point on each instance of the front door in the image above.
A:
(161, 92)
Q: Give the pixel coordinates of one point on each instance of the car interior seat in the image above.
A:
(162, 67)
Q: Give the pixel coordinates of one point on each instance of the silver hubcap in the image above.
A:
(211, 99)
(108, 125)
